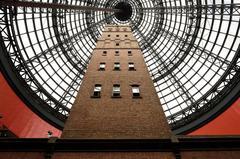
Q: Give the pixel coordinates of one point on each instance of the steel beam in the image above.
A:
(31, 4)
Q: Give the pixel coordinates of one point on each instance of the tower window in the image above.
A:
(116, 53)
(104, 53)
(116, 66)
(126, 35)
(109, 35)
(116, 90)
(129, 53)
(117, 44)
(102, 66)
(131, 66)
(135, 91)
(97, 91)
(117, 35)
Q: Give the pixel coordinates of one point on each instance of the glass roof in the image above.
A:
(191, 49)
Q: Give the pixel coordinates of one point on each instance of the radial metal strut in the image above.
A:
(17, 3)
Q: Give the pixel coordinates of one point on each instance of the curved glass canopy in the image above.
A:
(191, 49)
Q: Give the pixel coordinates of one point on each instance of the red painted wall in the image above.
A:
(24, 123)
(19, 118)
(228, 123)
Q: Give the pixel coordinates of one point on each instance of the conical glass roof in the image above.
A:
(191, 49)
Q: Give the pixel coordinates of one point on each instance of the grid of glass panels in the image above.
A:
(191, 48)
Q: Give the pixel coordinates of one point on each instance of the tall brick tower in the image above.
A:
(117, 99)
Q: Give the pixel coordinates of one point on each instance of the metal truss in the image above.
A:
(191, 48)
(50, 69)
(53, 5)
(191, 70)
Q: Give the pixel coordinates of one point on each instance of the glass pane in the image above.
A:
(131, 65)
(97, 88)
(116, 88)
(135, 89)
(102, 65)
(116, 65)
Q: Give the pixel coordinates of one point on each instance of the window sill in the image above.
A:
(116, 97)
(137, 97)
(95, 96)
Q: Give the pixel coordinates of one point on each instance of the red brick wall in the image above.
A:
(123, 155)
(22, 155)
(210, 155)
(115, 155)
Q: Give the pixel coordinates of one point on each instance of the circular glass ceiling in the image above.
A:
(191, 49)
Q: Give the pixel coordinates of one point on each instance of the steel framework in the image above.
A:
(191, 48)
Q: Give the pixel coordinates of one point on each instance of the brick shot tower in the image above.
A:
(117, 99)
